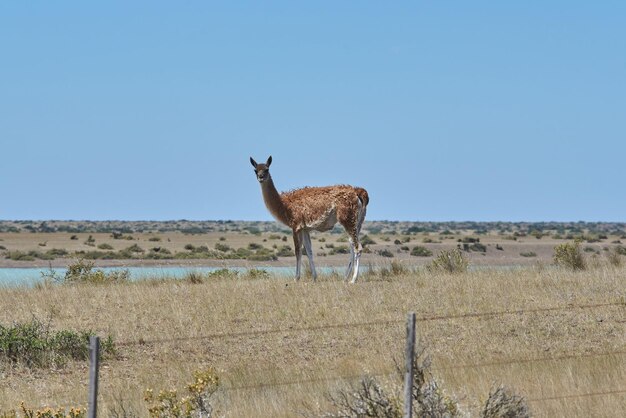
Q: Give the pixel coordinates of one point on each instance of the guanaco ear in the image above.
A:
(254, 164)
(269, 161)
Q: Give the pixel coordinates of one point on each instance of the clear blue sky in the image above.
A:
(443, 110)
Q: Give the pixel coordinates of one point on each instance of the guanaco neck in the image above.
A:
(273, 201)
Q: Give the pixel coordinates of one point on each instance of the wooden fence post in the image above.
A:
(94, 358)
(408, 377)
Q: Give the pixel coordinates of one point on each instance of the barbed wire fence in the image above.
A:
(618, 391)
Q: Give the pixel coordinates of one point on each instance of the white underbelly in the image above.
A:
(325, 222)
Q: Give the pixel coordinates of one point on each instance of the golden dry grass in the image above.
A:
(279, 345)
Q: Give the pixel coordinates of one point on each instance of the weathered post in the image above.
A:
(408, 377)
(94, 358)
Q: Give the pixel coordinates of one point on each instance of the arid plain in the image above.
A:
(555, 336)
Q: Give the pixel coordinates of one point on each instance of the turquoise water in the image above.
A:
(30, 276)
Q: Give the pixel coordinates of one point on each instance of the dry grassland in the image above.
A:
(280, 346)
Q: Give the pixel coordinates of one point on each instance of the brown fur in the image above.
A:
(314, 208)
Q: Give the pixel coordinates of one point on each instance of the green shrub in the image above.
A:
(451, 261)
(254, 246)
(420, 251)
(568, 255)
(385, 253)
(340, 249)
(82, 271)
(134, 249)
(284, 251)
(222, 247)
(366, 240)
(33, 344)
(154, 239)
(105, 247)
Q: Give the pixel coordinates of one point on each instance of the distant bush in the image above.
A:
(119, 235)
(105, 247)
(385, 253)
(222, 247)
(154, 239)
(83, 271)
(29, 256)
(285, 251)
(254, 246)
(568, 255)
(478, 247)
(262, 256)
(366, 240)
(90, 241)
(451, 261)
(340, 249)
(420, 251)
(528, 254)
(134, 249)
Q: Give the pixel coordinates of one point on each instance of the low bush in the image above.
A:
(339, 249)
(195, 403)
(385, 253)
(568, 255)
(285, 251)
(105, 247)
(366, 240)
(419, 251)
(222, 247)
(503, 403)
(34, 344)
(528, 254)
(451, 261)
(82, 271)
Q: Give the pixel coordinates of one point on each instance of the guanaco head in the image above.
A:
(262, 170)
